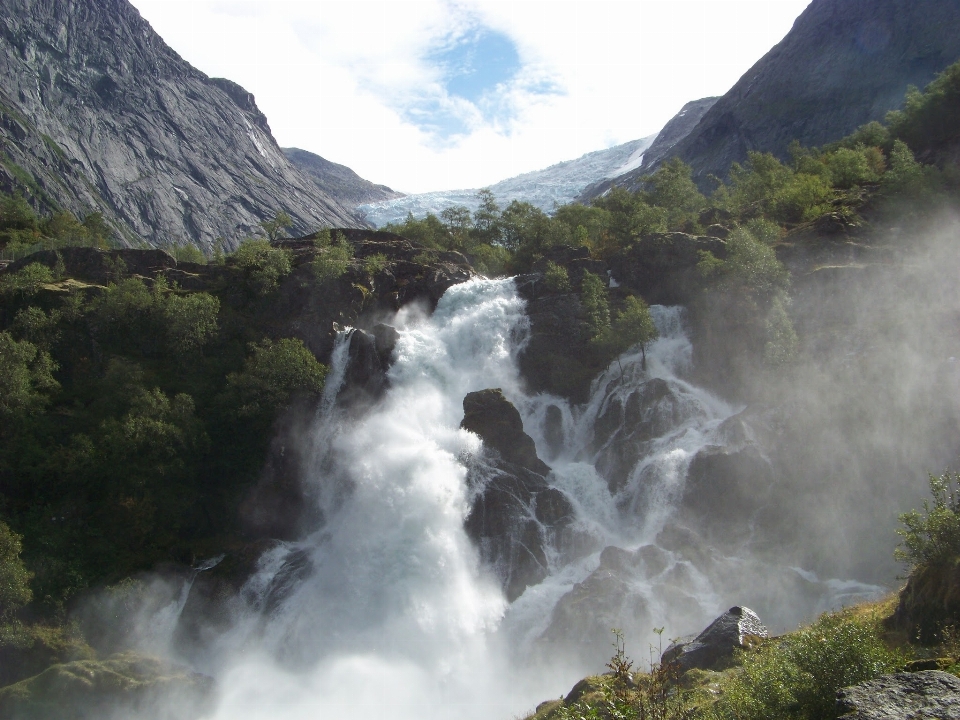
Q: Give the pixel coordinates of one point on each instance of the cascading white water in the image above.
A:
(386, 611)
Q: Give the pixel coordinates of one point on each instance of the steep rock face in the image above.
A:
(516, 517)
(679, 126)
(844, 63)
(98, 114)
(338, 181)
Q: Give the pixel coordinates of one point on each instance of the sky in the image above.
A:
(445, 94)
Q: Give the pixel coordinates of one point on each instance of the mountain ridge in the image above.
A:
(97, 113)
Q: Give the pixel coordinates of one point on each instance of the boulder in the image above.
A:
(921, 695)
(712, 649)
(494, 418)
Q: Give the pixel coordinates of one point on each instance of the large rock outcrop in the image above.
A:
(738, 628)
(97, 113)
(516, 517)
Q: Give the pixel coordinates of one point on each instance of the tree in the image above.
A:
(486, 218)
(14, 578)
(634, 326)
(672, 189)
(273, 373)
(262, 264)
(593, 297)
(190, 320)
(274, 228)
(25, 371)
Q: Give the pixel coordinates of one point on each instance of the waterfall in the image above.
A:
(387, 611)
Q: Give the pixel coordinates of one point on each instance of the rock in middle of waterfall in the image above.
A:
(516, 518)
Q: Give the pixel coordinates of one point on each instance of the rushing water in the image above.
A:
(387, 611)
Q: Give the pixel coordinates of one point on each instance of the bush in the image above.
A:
(593, 296)
(27, 281)
(190, 320)
(804, 197)
(375, 264)
(263, 264)
(273, 373)
(798, 676)
(556, 277)
(25, 371)
(933, 536)
(332, 262)
(14, 578)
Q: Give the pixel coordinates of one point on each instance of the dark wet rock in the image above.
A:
(494, 418)
(122, 685)
(729, 493)
(278, 506)
(516, 517)
(662, 267)
(712, 649)
(582, 618)
(553, 429)
(101, 115)
(926, 695)
(386, 337)
(624, 428)
(365, 378)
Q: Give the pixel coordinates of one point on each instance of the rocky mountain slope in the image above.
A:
(680, 125)
(97, 113)
(337, 180)
(555, 185)
(844, 63)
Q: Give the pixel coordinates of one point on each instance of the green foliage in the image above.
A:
(274, 228)
(273, 373)
(798, 676)
(332, 262)
(262, 264)
(623, 694)
(375, 264)
(754, 184)
(905, 173)
(459, 223)
(751, 266)
(932, 537)
(14, 579)
(633, 325)
(672, 189)
(490, 260)
(190, 320)
(596, 305)
(766, 231)
(556, 277)
(27, 281)
(801, 198)
(930, 118)
(189, 254)
(849, 167)
(782, 342)
(26, 374)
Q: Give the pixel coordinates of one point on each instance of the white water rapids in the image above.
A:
(387, 611)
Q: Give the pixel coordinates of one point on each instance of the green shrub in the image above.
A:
(932, 537)
(189, 254)
(27, 281)
(593, 296)
(804, 197)
(273, 373)
(332, 262)
(798, 676)
(262, 264)
(375, 264)
(556, 277)
(14, 579)
(766, 231)
(190, 320)
(25, 372)
(489, 260)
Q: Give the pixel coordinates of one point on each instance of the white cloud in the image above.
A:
(339, 78)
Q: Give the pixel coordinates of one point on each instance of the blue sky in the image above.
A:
(440, 94)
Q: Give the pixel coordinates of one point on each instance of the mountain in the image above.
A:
(844, 63)
(555, 185)
(338, 181)
(97, 113)
(679, 126)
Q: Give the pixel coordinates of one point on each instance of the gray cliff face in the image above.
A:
(338, 181)
(97, 113)
(679, 126)
(844, 63)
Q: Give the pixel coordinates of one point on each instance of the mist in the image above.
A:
(389, 610)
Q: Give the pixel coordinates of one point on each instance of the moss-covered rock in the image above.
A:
(123, 685)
